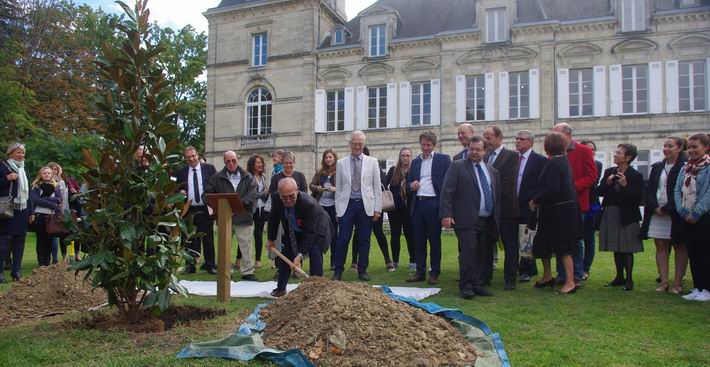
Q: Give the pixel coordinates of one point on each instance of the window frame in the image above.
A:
(580, 93)
(500, 16)
(475, 98)
(422, 104)
(635, 90)
(334, 40)
(339, 113)
(380, 105)
(260, 58)
(381, 40)
(520, 88)
(692, 86)
(635, 5)
(263, 122)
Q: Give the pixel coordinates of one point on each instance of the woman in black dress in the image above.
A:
(558, 226)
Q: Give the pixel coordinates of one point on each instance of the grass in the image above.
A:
(596, 327)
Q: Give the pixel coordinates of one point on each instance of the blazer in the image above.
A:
(219, 183)
(459, 155)
(528, 184)
(584, 172)
(206, 171)
(627, 198)
(651, 201)
(313, 221)
(370, 185)
(507, 165)
(439, 167)
(461, 198)
(558, 211)
(702, 200)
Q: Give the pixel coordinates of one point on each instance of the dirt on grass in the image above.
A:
(48, 291)
(353, 324)
(147, 322)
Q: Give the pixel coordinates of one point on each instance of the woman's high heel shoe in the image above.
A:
(571, 291)
(550, 283)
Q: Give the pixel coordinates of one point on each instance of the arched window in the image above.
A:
(259, 112)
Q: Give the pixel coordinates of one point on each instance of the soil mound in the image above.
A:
(48, 291)
(353, 324)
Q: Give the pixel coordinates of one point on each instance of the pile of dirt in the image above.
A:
(353, 324)
(49, 291)
(147, 322)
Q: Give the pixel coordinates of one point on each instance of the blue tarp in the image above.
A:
(246, 343)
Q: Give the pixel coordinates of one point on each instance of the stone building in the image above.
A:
(296, 75)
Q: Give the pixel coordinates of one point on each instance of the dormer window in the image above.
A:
(378, 41)
(496, 25)
(633, 15)
(338, 36)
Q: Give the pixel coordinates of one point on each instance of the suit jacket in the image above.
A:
(439, 167)
(219, 183)
(507, 165)
(461, 198)
(627, 198)
(206, 171)
(370, 185)
(559, 218)
(651, 201)
(528, 184)
(459, 155)
(313, 221)
(584, 172)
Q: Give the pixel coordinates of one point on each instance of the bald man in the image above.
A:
(464, 133)
(307, 231)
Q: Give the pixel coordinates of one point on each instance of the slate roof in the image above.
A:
(537, 10)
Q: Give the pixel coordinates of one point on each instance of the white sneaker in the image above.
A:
(691, 296)
(703, 296)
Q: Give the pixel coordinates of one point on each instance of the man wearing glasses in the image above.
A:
(234, 179)
(307, 231)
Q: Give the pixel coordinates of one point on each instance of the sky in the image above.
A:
(179, 13)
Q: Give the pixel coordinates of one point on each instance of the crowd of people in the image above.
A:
(487, 193)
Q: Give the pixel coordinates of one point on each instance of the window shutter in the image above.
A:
(615, 101)
(672, 86)
(349, 108)
(534, 93)
(599, 81)
(707, 84)
(490, 96)
(655, 86)
(391, 105)
(361, 108)
(627, 15)
(436, 102)
(563, 93)
(320, 111)
(639, 15)
(655, 156)
(503, 112)
(405, 104)
(490, 26)
(460, 98)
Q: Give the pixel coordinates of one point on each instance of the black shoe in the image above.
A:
(615, 283)
(550, 283)
(416, 278)
(467, 294)
(249, 278)
(212, 271)
(363, 276)
(338, 275)
(482, 292)
(16, 276)
(628, 286)
(276, 293)
(509, 286)
(571, 291)
(189, 270)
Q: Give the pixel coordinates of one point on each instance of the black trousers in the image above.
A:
(44, 240)
(381, 241)
(490, 249)
(511, 246)
(260, 218)
(401, 221)
(204, 225)
(474, 244)
(698, 242)
(15, 245)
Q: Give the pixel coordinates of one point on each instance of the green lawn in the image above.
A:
(596, 327)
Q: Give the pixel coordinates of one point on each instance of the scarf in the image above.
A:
(278, 167)
(23, 187)
(692, 168)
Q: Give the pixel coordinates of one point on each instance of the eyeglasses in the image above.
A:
(230, 161)
(289, 197)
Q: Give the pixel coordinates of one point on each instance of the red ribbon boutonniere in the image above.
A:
(299, 223)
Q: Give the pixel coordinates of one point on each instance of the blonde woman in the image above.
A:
(46, 200)
(14, 183)
(60, 242)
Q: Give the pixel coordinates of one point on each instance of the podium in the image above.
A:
(225, 205)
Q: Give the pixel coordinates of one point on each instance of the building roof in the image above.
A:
(537, 10)
(226, 3)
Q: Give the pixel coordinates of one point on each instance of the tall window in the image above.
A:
(580, 92)
(259, 112)
(519, 95)
(421, 103)
(377, 107)
(260, 44)
(633, 15)
(475, 98)
(496, 25)
(692, 88)
(378, 43)
(634, 86)
(335, 109)
(338, 36)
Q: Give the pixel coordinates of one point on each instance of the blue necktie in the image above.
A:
(487, 194)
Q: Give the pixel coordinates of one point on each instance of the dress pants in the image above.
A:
(511, 246)
(15, 245)
(355, 215)
(589, 242)
(379, 236)
(427, 226)
(698, 242)
(315, 258)
(400, 221)
(205, 225)
(244, 234)
(473, 243)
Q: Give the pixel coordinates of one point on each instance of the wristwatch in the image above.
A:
(301, 255)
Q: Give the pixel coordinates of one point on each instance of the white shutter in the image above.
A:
(655, 86)
(639, 15)
(563, 93)
(672, 86)
(707, 84)
(320, 111)
(349, 108)
(615, 99)
(361, 105)
(534, 95)
(436, 102)
(460, 98)
(391, 105)
(656, 155)
(503, 112)
(599, 101)
(490, 104)
(627, 15)
(405, 104)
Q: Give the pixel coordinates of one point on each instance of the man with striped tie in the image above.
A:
(470, 204)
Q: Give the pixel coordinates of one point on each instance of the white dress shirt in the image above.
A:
(426, 185)
(191, 185)
(234, 178)
(521, 170)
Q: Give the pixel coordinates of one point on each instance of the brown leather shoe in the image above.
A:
(278, 293)
(415, 278)
(433, 279)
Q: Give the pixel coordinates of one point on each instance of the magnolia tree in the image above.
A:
(136, 223)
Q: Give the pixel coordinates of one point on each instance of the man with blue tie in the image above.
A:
(424, 182)
(470, 204)
(464, 133)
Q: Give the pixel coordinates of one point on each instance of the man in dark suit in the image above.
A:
(192, 180)
(424, 182)
(506, 162)
(464, 133)
(470, 203)
(307, 231)
(531, 164)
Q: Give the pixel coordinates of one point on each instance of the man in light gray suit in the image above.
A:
(358, 202)
(470, 204)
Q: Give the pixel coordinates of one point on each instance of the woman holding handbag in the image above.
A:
(59, 242)
(46, 200)
(323, 190)
(399, 217)
(15, 209)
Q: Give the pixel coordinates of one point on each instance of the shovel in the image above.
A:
(289, 262)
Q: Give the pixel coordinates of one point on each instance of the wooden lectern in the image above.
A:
(225, 205)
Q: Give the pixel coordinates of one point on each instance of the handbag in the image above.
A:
(54, 225)
(526, 238)
(7, 205)
(387, 200)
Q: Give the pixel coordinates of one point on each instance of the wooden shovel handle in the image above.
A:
(289, 262)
